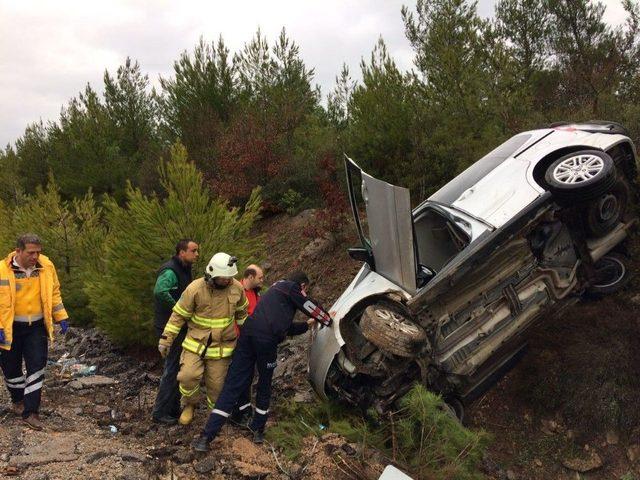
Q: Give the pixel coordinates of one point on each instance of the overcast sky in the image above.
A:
(49, 50)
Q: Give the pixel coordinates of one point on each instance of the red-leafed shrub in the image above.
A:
(334, 215)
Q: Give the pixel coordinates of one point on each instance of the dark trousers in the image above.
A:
(168, 398)
(251, 352)
(29, 345)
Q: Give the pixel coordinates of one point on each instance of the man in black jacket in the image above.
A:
(173, 278)
(270, 323)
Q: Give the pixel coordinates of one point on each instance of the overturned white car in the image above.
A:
(448, 290)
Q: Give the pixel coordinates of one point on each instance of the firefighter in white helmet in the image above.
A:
(212, 307)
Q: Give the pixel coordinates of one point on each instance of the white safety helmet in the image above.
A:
(221, 265)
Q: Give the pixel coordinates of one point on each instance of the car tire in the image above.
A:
(611, 274)
(580, 176)
(604, 213)
(392, 331)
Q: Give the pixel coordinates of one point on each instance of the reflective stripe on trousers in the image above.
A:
(30, 346)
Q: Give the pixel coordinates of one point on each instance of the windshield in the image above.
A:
(467, 179)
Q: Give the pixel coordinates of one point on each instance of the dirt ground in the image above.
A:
(567, 406)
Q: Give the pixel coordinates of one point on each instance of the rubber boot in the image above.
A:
(187, 415)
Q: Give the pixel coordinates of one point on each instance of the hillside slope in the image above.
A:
(569, 405)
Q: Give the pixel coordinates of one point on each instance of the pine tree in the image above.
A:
(70, 231)
(142, 235)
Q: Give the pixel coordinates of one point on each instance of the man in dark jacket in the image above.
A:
(252, 281)
(173, 278)
(257, 346)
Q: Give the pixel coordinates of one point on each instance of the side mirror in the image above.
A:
(362, 255)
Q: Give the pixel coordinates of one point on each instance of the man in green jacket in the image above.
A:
(173, 277)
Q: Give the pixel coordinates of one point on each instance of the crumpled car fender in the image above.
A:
(327, 342)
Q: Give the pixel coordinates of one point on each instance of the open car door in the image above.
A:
(389, 247)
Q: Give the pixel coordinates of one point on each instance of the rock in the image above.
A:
(511, 475)
(59, 449)
(131, 456)
(132, 474)
(584, 464)
(612, 438)
(164, 451)
(41, 459)
(76, 385)
(316, 247)
(301, 220)
(348, 449)
(96, 456)
(206, 465)
(102, 409)
(77, 410)
(183, 456)
(95, 381)
(303, 397)
(633, 452)
(537, 462)
(10, 471)
(549, 427)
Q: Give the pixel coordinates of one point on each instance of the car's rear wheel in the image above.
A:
(580, 176)
(605, 212)
(611, 274)
(391, 331)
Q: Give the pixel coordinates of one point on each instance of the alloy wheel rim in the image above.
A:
(578, 169)
(608, 207)
(397, 322)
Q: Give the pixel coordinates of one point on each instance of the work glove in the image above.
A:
(64, 326)
(163, 349)
(3, 339)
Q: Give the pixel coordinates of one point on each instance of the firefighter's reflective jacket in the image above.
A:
(210, 314)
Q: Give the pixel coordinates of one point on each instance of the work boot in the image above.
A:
(17, 408)
(166, 420)
(34, 422)
(201, 444)
(187, 415)
(258, 437)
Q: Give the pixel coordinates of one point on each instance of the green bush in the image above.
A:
(142, 235)
(292, 202)
(426, 440)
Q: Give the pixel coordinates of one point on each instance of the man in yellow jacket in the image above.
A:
(30, 304)
(211, 307)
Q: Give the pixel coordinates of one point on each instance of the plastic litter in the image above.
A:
(113, 429)
(74, 367)
(87, 371)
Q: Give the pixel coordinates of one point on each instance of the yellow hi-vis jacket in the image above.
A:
(210, 314)
(52, 308)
